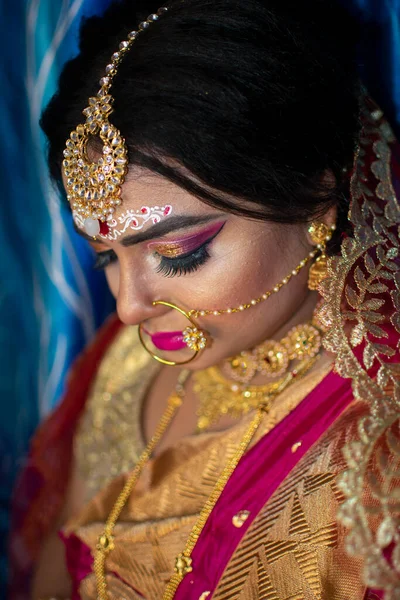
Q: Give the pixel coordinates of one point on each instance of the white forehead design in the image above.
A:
(131, 219)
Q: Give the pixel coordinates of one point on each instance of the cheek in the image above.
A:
(237, 275)
(236, 278)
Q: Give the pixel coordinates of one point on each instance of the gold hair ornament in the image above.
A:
(94, 187)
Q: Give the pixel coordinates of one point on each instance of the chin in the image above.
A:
(208, 358)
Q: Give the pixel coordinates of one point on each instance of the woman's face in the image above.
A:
(199, 257)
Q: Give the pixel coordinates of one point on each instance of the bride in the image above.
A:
(239, 417)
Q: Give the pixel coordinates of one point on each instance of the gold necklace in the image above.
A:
(183, 562)
(105, 542)
(219, 395)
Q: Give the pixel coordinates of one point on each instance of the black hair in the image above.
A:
(247, 104)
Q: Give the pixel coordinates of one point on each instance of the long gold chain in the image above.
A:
(106, 540)
(183, 562)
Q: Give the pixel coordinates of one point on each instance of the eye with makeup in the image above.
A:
(185, 263)
(181, 264)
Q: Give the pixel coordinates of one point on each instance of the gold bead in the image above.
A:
(296, 446)
(240, 518)
(183, 564)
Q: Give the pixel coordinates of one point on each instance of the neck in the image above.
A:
(304, 314)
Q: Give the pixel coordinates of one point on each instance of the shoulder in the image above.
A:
(45, 477)
(108, 439)
(78, 383)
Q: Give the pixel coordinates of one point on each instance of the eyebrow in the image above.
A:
(158, 230)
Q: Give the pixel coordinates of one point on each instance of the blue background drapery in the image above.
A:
(51, 302)
(379, 52)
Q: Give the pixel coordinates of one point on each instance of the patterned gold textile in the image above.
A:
(297, 533)
(362, 309)
(297, 530)
(109, 438)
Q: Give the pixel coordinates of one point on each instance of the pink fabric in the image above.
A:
(261, 471)
(79, 561)
(256, 478)
(375, 594)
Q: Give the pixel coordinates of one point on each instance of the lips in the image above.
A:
(170, 341)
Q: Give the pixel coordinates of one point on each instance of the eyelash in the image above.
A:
(103, 259)
(168, 267)
(185, 264)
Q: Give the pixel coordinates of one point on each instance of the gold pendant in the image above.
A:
(318, 271)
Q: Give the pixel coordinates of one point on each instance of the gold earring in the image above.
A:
(320, 234)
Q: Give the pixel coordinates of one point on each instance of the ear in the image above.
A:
(328, 218)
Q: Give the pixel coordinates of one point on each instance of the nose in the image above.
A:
(134, 300)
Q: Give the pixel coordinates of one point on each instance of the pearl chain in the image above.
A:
(204, 312)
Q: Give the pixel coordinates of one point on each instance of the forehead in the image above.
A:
(151, 206)
(145, 189)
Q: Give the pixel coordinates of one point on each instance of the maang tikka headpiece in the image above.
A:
(94, 187)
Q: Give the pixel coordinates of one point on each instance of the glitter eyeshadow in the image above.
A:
(187, 244)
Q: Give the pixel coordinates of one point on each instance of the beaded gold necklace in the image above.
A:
(220, 396)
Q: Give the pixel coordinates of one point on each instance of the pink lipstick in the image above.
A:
(170, 341)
